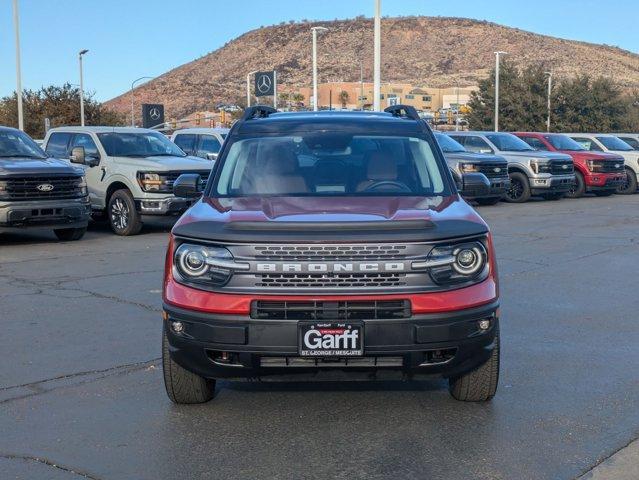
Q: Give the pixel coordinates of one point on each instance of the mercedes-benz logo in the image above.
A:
(264, 83)
(45, 187)
(154, 113)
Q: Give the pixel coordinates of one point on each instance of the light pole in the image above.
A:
(457, 114)
(80, 54)
(16, 27)
(248, 88)
(549, 93)
(315, 30)
(497, 55)
(131, 94)
(377, 64)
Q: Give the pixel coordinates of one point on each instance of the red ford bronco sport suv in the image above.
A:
(597, 172)
(330, 245)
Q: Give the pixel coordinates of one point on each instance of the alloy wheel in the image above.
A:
(119, 214)
(515, 190)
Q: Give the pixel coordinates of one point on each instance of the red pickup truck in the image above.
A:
(596, 172)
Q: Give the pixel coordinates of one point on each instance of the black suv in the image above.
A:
(39, 191)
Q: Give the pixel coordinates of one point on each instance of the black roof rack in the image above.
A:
(258, 111)
(403, 111)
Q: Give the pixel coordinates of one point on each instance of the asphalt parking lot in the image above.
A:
(81, 391)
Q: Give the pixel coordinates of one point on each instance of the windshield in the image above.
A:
(330, 164)
(448, 145)
(613, 143)
(564, 142)
(14, 144)
(508, 143)
(143, 144)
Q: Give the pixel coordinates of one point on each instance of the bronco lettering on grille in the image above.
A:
(333, 267)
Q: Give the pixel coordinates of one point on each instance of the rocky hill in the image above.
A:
(435, 52)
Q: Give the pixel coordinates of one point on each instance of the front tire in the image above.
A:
(519, 190)
(182, 386)
(123, 216)
(579, 188)
(630, 185)
(480, 385)
(70, 234)
(488, 201)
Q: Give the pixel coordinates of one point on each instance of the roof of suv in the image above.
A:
(346, 121)
(103, 129)
(201, 130)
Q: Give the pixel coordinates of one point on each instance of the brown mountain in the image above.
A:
(435, 52)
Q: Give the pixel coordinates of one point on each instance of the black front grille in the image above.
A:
(171, 177)
(44, 188)
(560, 167)
(611, 166)
(333, 280)
(345, 310)
(494, 169)
(328, 252)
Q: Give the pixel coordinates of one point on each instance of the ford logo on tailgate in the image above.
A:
(45, 187)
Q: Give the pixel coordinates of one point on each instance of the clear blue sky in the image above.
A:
(128, 39)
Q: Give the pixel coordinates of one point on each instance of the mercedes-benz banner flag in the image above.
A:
(152, 114)
(264, 84)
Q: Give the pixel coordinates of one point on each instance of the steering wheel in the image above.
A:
(399, 186)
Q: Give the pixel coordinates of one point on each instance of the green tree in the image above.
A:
(522, 99)
(61, 105)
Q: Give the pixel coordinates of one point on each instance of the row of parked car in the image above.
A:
(124, 174)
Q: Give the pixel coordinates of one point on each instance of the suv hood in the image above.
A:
(537, 154)
(473, 157)
(36, 166)
(165, 163)
(337, 219)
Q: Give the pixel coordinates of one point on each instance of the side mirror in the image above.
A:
(211, 156)
(475, 185)
(188, 185)
(78, 155)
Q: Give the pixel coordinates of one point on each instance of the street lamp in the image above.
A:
(497, 55)
(457, 114)
(80, 54)
(248, 87)
(16, 27)
(549, 74)
(377, 53)
(132, 106)
(315, 30)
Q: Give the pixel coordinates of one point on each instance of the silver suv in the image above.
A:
(532, 172)
(201, 142)
(129, 171)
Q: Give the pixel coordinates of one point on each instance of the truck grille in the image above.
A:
(562, 167)
(336, 280)
(494, 169)
(611, 166)
(328, 252)
(345, 310)
(44, 188)
(171, 177)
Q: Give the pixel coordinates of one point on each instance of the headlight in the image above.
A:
(205, 264)
(595, 166)
(540, 166)
(154, 182)
(468, 167)
(457, 263)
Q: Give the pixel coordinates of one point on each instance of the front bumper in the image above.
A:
(604, 181)
(163, 206)
(498, 188)
(240, 347)
(551, 184)
(73, 213)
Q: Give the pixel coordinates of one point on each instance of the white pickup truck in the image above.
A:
(129, 171)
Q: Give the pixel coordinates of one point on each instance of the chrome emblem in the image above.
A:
(565, 167)
(617, 165)
(497, 170)
(45, 187)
